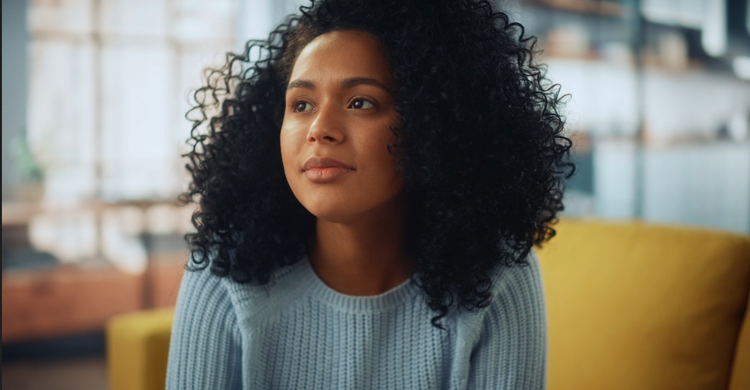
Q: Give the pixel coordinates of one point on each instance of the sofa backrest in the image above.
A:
(637, 306)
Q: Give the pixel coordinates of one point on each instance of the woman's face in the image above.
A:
(336, 130)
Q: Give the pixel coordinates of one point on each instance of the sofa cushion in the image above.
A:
(637, 306)
(137, 349)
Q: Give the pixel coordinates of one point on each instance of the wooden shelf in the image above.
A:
(69, 299)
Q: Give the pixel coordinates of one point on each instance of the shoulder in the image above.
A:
(245, 300)
(510, 335)
(516, 288)
(520, 283)
(203, 298)
(518, 308)
(205, 342)
(516, 302)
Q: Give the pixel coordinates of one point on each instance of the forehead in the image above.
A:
(342, 54)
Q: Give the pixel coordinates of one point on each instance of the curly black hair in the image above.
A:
(481, 148)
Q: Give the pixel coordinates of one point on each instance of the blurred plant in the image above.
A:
(26, 165)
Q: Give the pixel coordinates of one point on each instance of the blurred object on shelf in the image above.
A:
(17, 249)
(582, 181)
(679, 13)
(741, 67)
(673, 50)
(121, 243)
(736, 127)
(166, 219)
(568, 41)
(739, 126)
(22, 165)
(714, 28)
(593, 7)
(618, 53)
(670, 49)
(98, 232)
(579, 189)
(71, 236)
(581, 142)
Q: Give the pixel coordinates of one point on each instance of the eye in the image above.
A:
(361, 104)
(300, 106)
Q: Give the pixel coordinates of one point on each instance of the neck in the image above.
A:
(366, 256)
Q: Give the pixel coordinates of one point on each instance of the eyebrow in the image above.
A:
(304, 84)
(354, 81)
(346, 84)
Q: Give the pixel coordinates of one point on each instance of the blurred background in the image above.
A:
(94, 97)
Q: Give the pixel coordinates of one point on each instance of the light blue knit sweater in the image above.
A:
(297, 333)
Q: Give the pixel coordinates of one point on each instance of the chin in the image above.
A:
(336, 205)
(331, 213)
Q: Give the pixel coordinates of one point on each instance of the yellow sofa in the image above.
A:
(630, 306)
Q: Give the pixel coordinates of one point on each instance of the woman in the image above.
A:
(371, 181)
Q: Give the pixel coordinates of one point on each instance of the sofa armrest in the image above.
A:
(138, 348)
(740, 374)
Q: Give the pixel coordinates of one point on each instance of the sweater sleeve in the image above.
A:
(511, 352)
(205, 347)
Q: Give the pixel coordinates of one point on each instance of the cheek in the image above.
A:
(289, 149)
(285, 145)
(387, 141)
(289, 143)
(385, 162)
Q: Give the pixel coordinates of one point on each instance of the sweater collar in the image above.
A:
(318, 290)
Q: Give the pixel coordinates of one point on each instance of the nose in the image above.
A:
(327, 127)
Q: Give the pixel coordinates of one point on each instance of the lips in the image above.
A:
(324, 162)
(324, 169)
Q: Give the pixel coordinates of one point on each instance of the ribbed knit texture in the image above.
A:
(297, 333)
